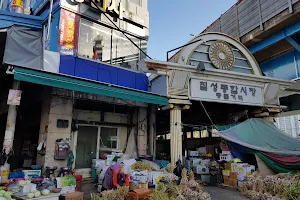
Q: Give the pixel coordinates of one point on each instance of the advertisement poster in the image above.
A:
(68, 32)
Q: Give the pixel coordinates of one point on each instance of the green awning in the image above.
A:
(77, 84)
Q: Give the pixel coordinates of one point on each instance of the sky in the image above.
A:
(172, 22)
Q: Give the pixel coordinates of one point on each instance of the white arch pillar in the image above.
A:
(176, 134)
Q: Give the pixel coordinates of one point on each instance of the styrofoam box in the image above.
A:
(196, 161)
(140, 177)
(193, 153)
(110, 157)
(202, 169)
(26, 188)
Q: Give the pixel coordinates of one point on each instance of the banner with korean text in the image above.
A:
(68, 32)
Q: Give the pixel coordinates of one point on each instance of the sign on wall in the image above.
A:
(68, 32)
(226, 92)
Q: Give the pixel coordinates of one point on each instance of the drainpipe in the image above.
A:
(10, 124)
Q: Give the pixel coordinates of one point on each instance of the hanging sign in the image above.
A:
(14, 97)
(226, 92)
(68, 32)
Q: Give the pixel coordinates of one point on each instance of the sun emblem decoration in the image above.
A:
(221, 55)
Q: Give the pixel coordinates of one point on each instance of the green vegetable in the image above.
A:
(67, 181)
(7, 195)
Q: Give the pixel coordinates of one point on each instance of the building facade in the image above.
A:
(83, 62)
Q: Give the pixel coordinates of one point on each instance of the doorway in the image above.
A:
(91, 140)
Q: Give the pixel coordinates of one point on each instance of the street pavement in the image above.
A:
(223, 194)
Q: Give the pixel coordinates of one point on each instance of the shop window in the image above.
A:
(104, 44)
(124, 52)
(196, 134)
(109, 138)
(204, 134)
(189, 135)
(94, 41)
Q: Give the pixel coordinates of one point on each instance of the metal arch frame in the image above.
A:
(188, 49)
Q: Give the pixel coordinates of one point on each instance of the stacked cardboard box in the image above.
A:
(233, 181)
(235, 173)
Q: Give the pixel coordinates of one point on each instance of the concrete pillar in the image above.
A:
(57, 108)
(152, 130)
(142, 131)
(175, 134)
(40, 160)
(10, 124)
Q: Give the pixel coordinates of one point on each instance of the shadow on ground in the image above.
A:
(223, 194)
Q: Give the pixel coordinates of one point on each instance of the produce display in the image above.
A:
(273, 187)
(140, 165)
(118, 194)
(171, 177)
(67, 181)
(4, 195)
(188, 189)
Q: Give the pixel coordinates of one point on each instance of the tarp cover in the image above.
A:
(262, 135)
(26, 42)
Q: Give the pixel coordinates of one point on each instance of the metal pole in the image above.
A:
(11, 123)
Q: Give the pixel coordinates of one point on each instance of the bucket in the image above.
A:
(4, 171)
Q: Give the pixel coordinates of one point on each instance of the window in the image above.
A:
(204, 134)
(108, 138)
(94, 41)
(189, 135)
(107, 45)
(124, 52)
(196, 134)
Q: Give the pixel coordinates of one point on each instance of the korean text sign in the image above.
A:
(226, 92)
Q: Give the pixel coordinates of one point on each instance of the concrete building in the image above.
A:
(289, 124)
(80, 82)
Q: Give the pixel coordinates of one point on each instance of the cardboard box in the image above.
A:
(196, 161)
(139, 177)
(206, 162)
(226, 172)
(67, 190)
(202, 150)
(233, 182)
(193, 153)
(143, 185)
(234, 167)
(26, 188)
(250, 169)
(156, 176)
(227, 166)
(226, 180)
(233, 175)
(201, 169)
(72, 196)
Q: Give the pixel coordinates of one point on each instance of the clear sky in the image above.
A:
(172, 22)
